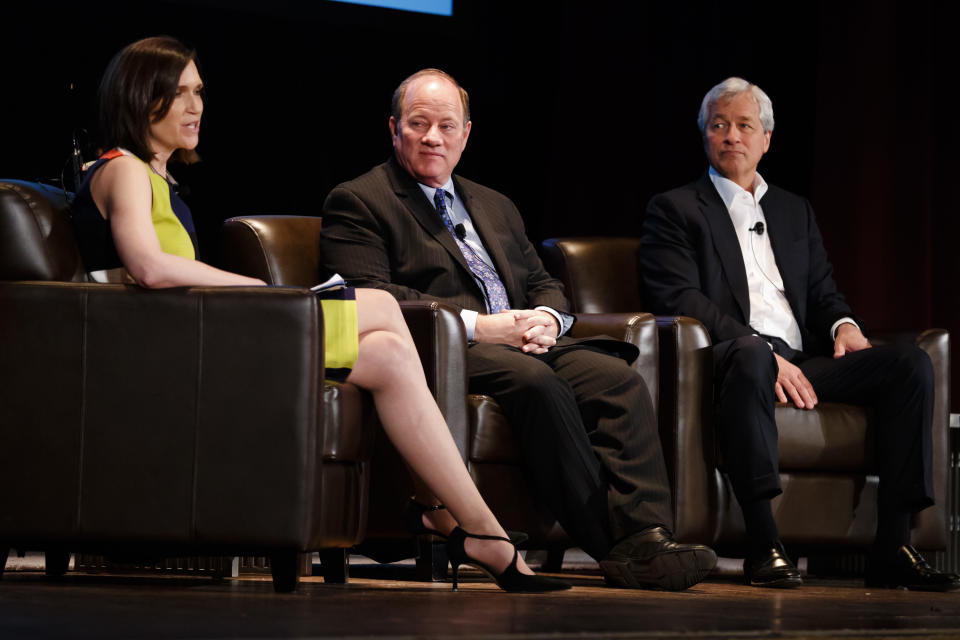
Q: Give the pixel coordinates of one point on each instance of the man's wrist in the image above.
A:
(470, 323)
(835, 328)
(556, 322)
(561, 329)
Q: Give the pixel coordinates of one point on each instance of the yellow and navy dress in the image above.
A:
(171, 220)
(341, 336)
(173, 223)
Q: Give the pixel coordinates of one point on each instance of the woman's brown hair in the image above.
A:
(137, 89)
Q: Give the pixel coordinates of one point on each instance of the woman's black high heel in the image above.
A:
(412, 519)
(510, 579)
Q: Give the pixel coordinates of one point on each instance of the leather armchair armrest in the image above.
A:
(280, 250)
(441, 341)
(686, 426)
(929, 530)
(639, 329)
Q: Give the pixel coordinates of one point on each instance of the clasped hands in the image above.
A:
(791, 381)
(529, 330)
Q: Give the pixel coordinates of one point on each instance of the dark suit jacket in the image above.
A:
(381, 231)
(692, 264)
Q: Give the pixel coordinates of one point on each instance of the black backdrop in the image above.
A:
(582, 110)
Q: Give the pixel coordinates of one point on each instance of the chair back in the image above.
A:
(37, 241)
(601, 275)
(280, 250)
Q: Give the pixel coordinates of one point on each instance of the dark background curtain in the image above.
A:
(581, 111)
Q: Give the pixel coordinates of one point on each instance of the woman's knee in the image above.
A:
(377, 300)
(388, 351)
(378, 309)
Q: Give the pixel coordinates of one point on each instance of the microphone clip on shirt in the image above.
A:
(460, 230)
(758, 229)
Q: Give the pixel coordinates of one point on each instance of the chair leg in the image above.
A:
(56, 562)
(4, 552)
(335, 565)
(554, 561)
(432, 561)
(285, 569)
(550, 560)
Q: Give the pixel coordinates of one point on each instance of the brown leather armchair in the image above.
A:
(285, 250)
(137, 424)
(829, 488)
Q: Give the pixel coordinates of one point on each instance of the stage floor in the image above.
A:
(384, 602)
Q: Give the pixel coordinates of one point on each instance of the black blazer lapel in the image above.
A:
(789, 250)
(726, 243)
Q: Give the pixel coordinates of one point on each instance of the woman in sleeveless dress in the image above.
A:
(131, 222)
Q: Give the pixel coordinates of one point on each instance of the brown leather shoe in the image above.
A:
(651, 559)
(906, 568)
(771, 567)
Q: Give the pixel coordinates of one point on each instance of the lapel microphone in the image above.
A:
(462, 232)
(758, 228)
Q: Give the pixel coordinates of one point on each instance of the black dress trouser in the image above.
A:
(896, 380)
(587, 433)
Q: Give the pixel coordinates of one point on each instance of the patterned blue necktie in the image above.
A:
(496, 293)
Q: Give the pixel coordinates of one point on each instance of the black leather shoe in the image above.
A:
(906, 568)
(771, 567)
(651, 559)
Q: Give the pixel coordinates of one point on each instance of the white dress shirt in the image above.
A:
(459, 215)
(770, 312)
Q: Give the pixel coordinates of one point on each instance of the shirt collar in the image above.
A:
(430, 191)
(728, 189)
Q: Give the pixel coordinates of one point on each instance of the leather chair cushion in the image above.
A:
(834, 437)
(814, 508)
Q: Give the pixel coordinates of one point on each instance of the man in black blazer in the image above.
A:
(747, 260)
(582, 417)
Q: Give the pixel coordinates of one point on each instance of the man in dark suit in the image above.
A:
(746, 259)
(583, 418)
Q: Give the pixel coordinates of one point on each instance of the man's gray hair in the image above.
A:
(730, 88)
